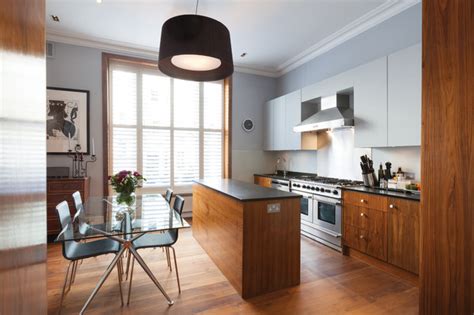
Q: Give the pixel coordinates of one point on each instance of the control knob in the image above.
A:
(335, 192)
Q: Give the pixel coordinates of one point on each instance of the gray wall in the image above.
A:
(399, 32)
(79, 67)
(249, 93)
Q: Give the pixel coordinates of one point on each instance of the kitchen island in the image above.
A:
(252, 233)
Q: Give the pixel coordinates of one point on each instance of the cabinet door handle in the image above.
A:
(361, 237)
(392, 207)
(362, 214)
(362, 200)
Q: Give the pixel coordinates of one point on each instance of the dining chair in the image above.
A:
(75, 251)
(166, 240)
(169, 195)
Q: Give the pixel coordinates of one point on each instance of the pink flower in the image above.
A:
(136, 174)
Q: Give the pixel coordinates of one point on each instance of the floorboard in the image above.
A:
(330, 284)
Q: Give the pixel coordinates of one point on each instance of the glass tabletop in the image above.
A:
(104, 216)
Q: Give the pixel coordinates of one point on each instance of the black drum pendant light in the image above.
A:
(195, 47)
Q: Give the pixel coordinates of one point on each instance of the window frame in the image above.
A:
(141, 66)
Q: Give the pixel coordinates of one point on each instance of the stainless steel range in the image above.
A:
(321, 209)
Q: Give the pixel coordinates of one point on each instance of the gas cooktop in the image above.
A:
(328, 180)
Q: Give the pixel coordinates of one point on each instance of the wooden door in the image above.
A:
(23, 157)
(447, 165)
(404, 234)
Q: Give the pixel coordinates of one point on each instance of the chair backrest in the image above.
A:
(178, 204)
(77, 203)
(64, 216)
(169, 195)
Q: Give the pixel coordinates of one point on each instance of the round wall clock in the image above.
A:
(247, 125)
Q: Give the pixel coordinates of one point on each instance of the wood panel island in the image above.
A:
(252, 233)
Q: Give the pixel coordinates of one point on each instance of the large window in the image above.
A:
(170, 130)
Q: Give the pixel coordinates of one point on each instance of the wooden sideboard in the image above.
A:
(61, 189)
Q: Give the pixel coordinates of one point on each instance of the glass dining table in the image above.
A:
(104, 217)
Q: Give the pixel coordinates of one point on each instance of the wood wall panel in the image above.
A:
(218, 227)
(257, 251)
(447, 167)
(22, 157)
(271, 246)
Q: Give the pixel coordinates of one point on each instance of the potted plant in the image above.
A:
(125, 183)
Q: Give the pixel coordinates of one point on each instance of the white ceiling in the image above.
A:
(276, 34)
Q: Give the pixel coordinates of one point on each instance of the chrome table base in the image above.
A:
(126, 247)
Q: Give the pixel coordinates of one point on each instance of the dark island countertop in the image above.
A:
(243, 191)
(384, 192)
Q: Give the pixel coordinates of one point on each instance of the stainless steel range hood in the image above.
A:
(335, 113)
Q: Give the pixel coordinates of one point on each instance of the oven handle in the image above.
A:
(336, 235)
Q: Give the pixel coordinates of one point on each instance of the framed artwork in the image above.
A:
(67, 124)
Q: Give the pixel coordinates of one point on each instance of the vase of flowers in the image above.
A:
(125, 183)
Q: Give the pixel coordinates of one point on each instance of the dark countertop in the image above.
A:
(243, 191)
(289, 175)
(384, 192)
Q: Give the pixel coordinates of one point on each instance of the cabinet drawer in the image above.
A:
(373, 243)
(351, 236)
(364, 218)
(53, 226)
(365, 200)
(55, 199)
(404, 207)
(65, 186)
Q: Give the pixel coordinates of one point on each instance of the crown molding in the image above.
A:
(362, 24)
(130, 49)
(378, 15)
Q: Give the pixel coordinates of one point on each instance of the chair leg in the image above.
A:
(119, 272)
(75, 271)
(64, 286)
(71, 275)
(130, 285)
(168, 258)
(176, 268)
(128, 266)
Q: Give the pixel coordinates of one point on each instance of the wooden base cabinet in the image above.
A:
(61, 189)
(366, 226)
(404, 234)
(262, 181)
(385, 228)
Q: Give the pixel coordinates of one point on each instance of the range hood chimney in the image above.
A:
(335, 113)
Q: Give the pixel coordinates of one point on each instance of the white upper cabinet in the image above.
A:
(268, 125)
(370, 104)
(292, 118)
(280, 116)
(404, 97)
(279, 136)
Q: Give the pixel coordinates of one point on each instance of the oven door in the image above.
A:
(327, 214)
(306, 206)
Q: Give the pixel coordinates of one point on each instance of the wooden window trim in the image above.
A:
(107, 58)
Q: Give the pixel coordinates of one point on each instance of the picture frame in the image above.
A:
(67, 123)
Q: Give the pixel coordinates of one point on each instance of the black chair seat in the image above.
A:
(76, 251)
(167, 238)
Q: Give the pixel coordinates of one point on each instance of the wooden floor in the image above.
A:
(330, 284)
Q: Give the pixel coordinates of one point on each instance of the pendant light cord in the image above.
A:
(197, 4)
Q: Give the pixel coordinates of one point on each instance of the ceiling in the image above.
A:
(277, 35)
